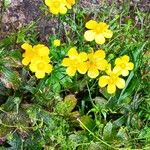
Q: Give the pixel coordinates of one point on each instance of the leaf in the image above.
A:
(10, 79)
(66, 106)
(88, 122)
(107, 132)
(15, 143)
(122, 134)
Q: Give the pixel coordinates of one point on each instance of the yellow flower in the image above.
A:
(56, 6)
(70, 3)
(40, 67)
(56, 42)
(75, 62)
(97, 31)
(41, 50)
(112, 80)
(96, 62)
(123, 65)
(38, 58)
(28, 54)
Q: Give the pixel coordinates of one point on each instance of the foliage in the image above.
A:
(69, 113)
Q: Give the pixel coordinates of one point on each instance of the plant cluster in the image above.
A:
(61, 93)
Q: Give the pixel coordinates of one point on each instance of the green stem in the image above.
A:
(82, 124)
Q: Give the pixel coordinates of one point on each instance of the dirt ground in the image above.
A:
(21, 12)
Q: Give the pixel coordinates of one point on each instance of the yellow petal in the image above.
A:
(130, 66)
(33, 67)
(63, 10)
(54, 10)
(26, 46)
(40, 74)
(83, 56)
(91, 24)
(48, 68)
(125, 58)
(72, 53)
(108, 34)
(93, 72)
(25, 61)
(111, 88)
(103, 81)
(71, 71)
(43, 51)
(99, 39)
(120, 83)
(82, 68)
(118, 61)
(89, 35)
(100, 54)
(117, 70)
(66, 62)
(102, 64)
(125, 72)
(48, 2)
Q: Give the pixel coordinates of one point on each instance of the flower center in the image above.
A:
(112, 79)
(101, 28)
(123, 66)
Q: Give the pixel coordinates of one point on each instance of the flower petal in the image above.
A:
(102, 64)
(120, 83)
(89, 35)
(82, 68)
(125, 58)
(91, 24)
(71, 71)
(25, 61)
(40, 74)
(99, 39)
(72, 53)
(111, 88)
(83, 56)
(100, 54)
(33, 67)
(66, 62)
(130, 66)
(108, 34)
(103, 81)
(48, 68)
(93, 72)
(124, 72)
(26, 46)
(63, 10)
(118, 61)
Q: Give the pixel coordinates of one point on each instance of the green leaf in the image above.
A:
(107, 132)
(66, 106)
(88, 122)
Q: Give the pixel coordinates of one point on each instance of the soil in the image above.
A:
(21, 12)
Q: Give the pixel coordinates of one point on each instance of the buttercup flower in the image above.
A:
(75, 62)
(96, 62)
(56, 42)
(40, 67)
(37, 57)
(97, 31)
(123, 65)
(56, 6)
(112, 80)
